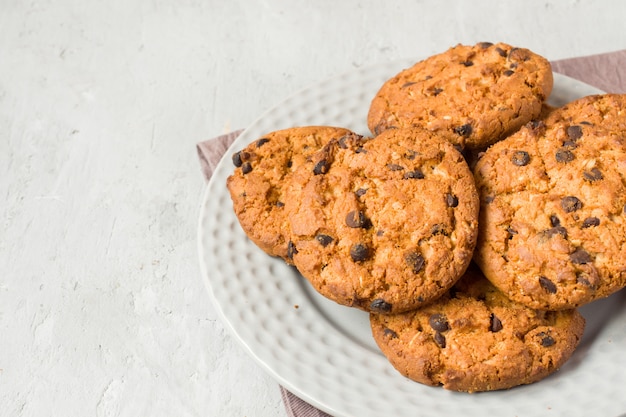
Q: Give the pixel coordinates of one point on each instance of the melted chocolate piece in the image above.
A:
(520, 158)
(571, 203)
(380, 305)
(438, 322)
(359, 252)
(547, 285)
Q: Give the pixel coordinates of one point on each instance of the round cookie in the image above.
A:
(257, 185)
(475, 338)
(384, 224)
(552, 229)
(473, 95)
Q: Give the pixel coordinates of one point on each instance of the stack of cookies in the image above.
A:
(471, 225)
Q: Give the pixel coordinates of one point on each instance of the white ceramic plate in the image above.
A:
(323, 352)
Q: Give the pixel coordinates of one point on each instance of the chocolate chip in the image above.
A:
(280, 204)
(512, 232)
(570, 204)
(291, 250)
(467, 63)
(580, 257)
(407, 84)
(568, 144)
(360, 192)
(582, 278)
(536, 127)
(501, 52)
(556, 230)
(324, 240)
(520, 158)
(547, 285)
(508, 73)
(438, 322)
(464, 130)
(380, 305)
(564, 156)
(356, 219)
(395, 167)
(390, 333)
(415, 174)
(415, 261)
(495, 325)
(591, 222)
(519, 54)
(261, 142)
(440, 340)
(237, 161)
(485, 45)
(594, 174)
(574, 132)
(546, 339)
(289, 163)
(437, 91)
(439, 229)
(342, 142)
(379, 128)
(359, 252)
(246, 168)
(451, 200)
(554, 220)
(321, 167)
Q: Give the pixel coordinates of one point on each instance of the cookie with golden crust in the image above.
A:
(257, 185)
(384, 224)
(473, 95)
(474, 338)
(553, 199)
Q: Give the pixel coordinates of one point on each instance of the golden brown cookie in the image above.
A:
(257, 185)
(475, 338)
(384, 224)
(553, 195)
(473, 95)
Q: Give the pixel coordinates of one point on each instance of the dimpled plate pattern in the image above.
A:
(324, 352)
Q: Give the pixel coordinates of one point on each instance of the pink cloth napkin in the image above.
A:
(603, 71)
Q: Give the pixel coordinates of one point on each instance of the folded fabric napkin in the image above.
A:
(603, 71)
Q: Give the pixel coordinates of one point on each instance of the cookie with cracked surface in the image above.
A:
(475, 338)
(474, 95)
(384, 224)
(552, 231)
(257, 185)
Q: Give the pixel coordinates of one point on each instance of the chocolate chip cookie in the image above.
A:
(553, 200)
(474, 338)
(257, 185)
(473, 95)
(384, 224)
